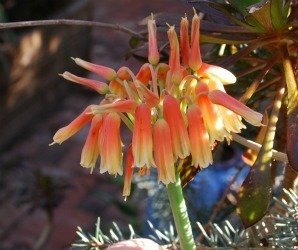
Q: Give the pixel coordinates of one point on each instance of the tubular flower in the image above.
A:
(179, 136)
(195, 60)
(142, 143)
(153, 54)
(184, 39)
(128, 172)
(110, 146)
(100, 87)
(90, 150)
(105, 72)
(199, 138)
(173, 110)
(175, 74)
(66, 132)
(163, 153)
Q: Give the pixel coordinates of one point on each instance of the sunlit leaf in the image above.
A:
(255, 193)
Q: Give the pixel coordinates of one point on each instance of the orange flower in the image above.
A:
(110, 146)
(175, 74)
(128, 172)
(184, 39)
(153, 54)
(105, 72)
(77, 124)
(221, 98)
(199, 138)
(142, 144)
(100, 87)
(118, 106)
(212, 117)
(195, 60)
(90, 150)
(179, 136)
(163, 153)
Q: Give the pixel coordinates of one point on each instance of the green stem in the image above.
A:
(180, 215)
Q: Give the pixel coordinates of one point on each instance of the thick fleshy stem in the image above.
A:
(179, 211)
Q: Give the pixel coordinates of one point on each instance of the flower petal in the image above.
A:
(221, 98)
(128, 172)
(184, 40)
(98, 86)
(105, 72)
(199, 138)
(142, 142)
(179, 136)
(118, 106)
(163, 153)
(110, 146)
(72, 128)
(90, 150)
(153, 54)
(195, 60)
(225, 76)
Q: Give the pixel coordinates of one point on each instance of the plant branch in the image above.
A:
(69, 22)
(278, 156)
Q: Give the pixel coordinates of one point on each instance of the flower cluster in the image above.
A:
(173, 110)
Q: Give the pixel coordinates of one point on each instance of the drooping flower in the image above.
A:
(173, 110)
(179, 136)
(90, 150)
(199, 138)
(163, 153)
(110, 145)
(142, 142)
(77, 124)
(128, 172)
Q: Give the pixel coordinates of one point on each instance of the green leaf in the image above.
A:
(255, 193)
(277, 17)
(260, 16)
(243, 4)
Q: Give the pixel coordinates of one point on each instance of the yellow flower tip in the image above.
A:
(225, 76)
(105, 72)
(153, 54)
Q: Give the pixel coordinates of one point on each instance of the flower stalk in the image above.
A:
(180, 215)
